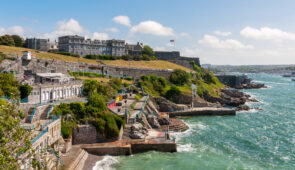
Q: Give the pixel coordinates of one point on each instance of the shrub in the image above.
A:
(90, 87)
(179, 77)
(137, 57)
(126, 57)
(173, 93)
(153, 58)
(64, 53)
(146, 57)
(147, 50)
(97, 101)
(25, 91)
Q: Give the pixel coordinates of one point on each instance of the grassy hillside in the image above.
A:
(154, 64)
(102, 79)
(157, 64)
(44, 55)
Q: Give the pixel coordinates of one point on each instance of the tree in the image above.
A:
(14, 140)
(6, 40)
(9, 86)
(173, 93)
(179, 77)
(147, 50)
(25, 91)
(18, 41)
(146, 57)
(97, 101)
(90, 87)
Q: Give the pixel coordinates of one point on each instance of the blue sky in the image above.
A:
(217, 31)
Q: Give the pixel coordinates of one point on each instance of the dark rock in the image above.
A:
(243, 107)
(166, 105)
(251, 86)
(138, 131)
(164, 121)
(153, 122)
(252, 100)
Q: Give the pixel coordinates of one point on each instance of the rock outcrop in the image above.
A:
(251, 86)
(153, 122)
(231, 97)
(165, 105)
(164, 121)
(138, 131)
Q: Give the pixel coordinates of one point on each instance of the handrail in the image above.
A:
(33, 113)
(141, 110)
(50, 121)
(51, 107)
(39, 135)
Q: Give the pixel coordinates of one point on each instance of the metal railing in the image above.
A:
(54, 118)
(141, 110)
(39, 135)
(33, 113)
(50, 109)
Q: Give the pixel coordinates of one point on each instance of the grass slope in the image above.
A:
(154, 64)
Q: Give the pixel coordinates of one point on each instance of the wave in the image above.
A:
(106, 163)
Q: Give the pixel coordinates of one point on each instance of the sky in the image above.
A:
(217, 31)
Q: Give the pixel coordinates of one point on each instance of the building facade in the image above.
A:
(81, 46)
(38, 44)
(50, 87)
(134, 49)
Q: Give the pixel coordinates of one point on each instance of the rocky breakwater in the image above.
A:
(251, 86)
(232, 97)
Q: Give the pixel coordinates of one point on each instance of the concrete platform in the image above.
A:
(204, 111)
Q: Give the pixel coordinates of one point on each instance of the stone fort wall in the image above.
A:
(45, 66)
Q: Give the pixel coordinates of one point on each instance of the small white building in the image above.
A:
(27, 55)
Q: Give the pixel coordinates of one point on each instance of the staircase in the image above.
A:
(127, 131)
(29, 115)
(44, 113)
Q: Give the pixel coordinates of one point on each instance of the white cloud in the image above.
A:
(100, 36)
(225, 34)
(18, 30)
(152, 28)
(214, 42)
(69, 27)
(2, 30)
(266, 33)
(123, 20)
(114, 30)
(160, 49)
(170, 44)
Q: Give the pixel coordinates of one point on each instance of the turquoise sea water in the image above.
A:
(250, 140)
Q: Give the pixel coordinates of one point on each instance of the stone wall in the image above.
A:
(86, 134)
(174, 56)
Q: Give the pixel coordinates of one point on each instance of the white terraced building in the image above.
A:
(50, 87)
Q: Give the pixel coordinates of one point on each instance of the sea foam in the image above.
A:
(106, 163)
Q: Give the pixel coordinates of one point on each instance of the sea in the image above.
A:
(262, 138)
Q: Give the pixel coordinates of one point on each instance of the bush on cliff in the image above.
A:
(9, 86)
(25, 90)
(173, 93)
(179, 77)
(153, 84)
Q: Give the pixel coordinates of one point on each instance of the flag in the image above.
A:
(171, 40)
